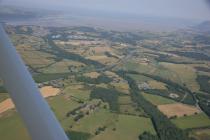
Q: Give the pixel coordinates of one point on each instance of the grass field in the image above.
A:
(139, 67)
(124, 100)
(12, 128)
(185, 73)
(139, 78)
(101, 118)
(194, 121)
(157, 100)
(62, 104)
(39, 78)
(127, 128)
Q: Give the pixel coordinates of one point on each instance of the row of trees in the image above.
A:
(100, 79)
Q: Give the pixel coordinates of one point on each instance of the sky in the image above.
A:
(186, 9)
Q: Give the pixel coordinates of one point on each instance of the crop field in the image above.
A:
(92, 74)
(178, 109)
(122, 87)
(61, 66)
(102, 59)
(202, 134)
(157, 85)
(47, 91)
(193, 121)
(3, 96)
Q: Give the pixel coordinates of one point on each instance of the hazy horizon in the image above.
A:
(183, 9)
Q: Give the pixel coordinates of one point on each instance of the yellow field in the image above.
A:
(92, 74)
(46, 91)
(62, 66)
(156, 85)
(178, 110)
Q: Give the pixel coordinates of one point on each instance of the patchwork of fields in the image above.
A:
(107, 85)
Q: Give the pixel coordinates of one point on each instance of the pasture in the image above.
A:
(193, 121)
(157, 100)
(185, 73)
(126, 128)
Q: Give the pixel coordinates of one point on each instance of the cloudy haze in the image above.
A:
(188, 9)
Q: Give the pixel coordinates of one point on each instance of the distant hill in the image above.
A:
(8, 12)
(12, 13)
(203, 27)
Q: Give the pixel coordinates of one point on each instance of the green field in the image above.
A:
(127, 128)
(90, 123)
(12, 128)
(139, 67)
(186, 74)
(39, 78)
(157, 100)
(139, 78)
(194, 121)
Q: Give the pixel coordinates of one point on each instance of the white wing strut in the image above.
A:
(32, 107)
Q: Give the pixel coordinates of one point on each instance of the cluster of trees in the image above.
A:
(100, 129)
(166, 130)
(73, 135)
(79, 116)
(108, 54)
(205, 106)
(204, 102)
(203, 81)
(148, 136)
(74, 111)
(202, 69)
(107, 95)
(2, 89)
(100, 79)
